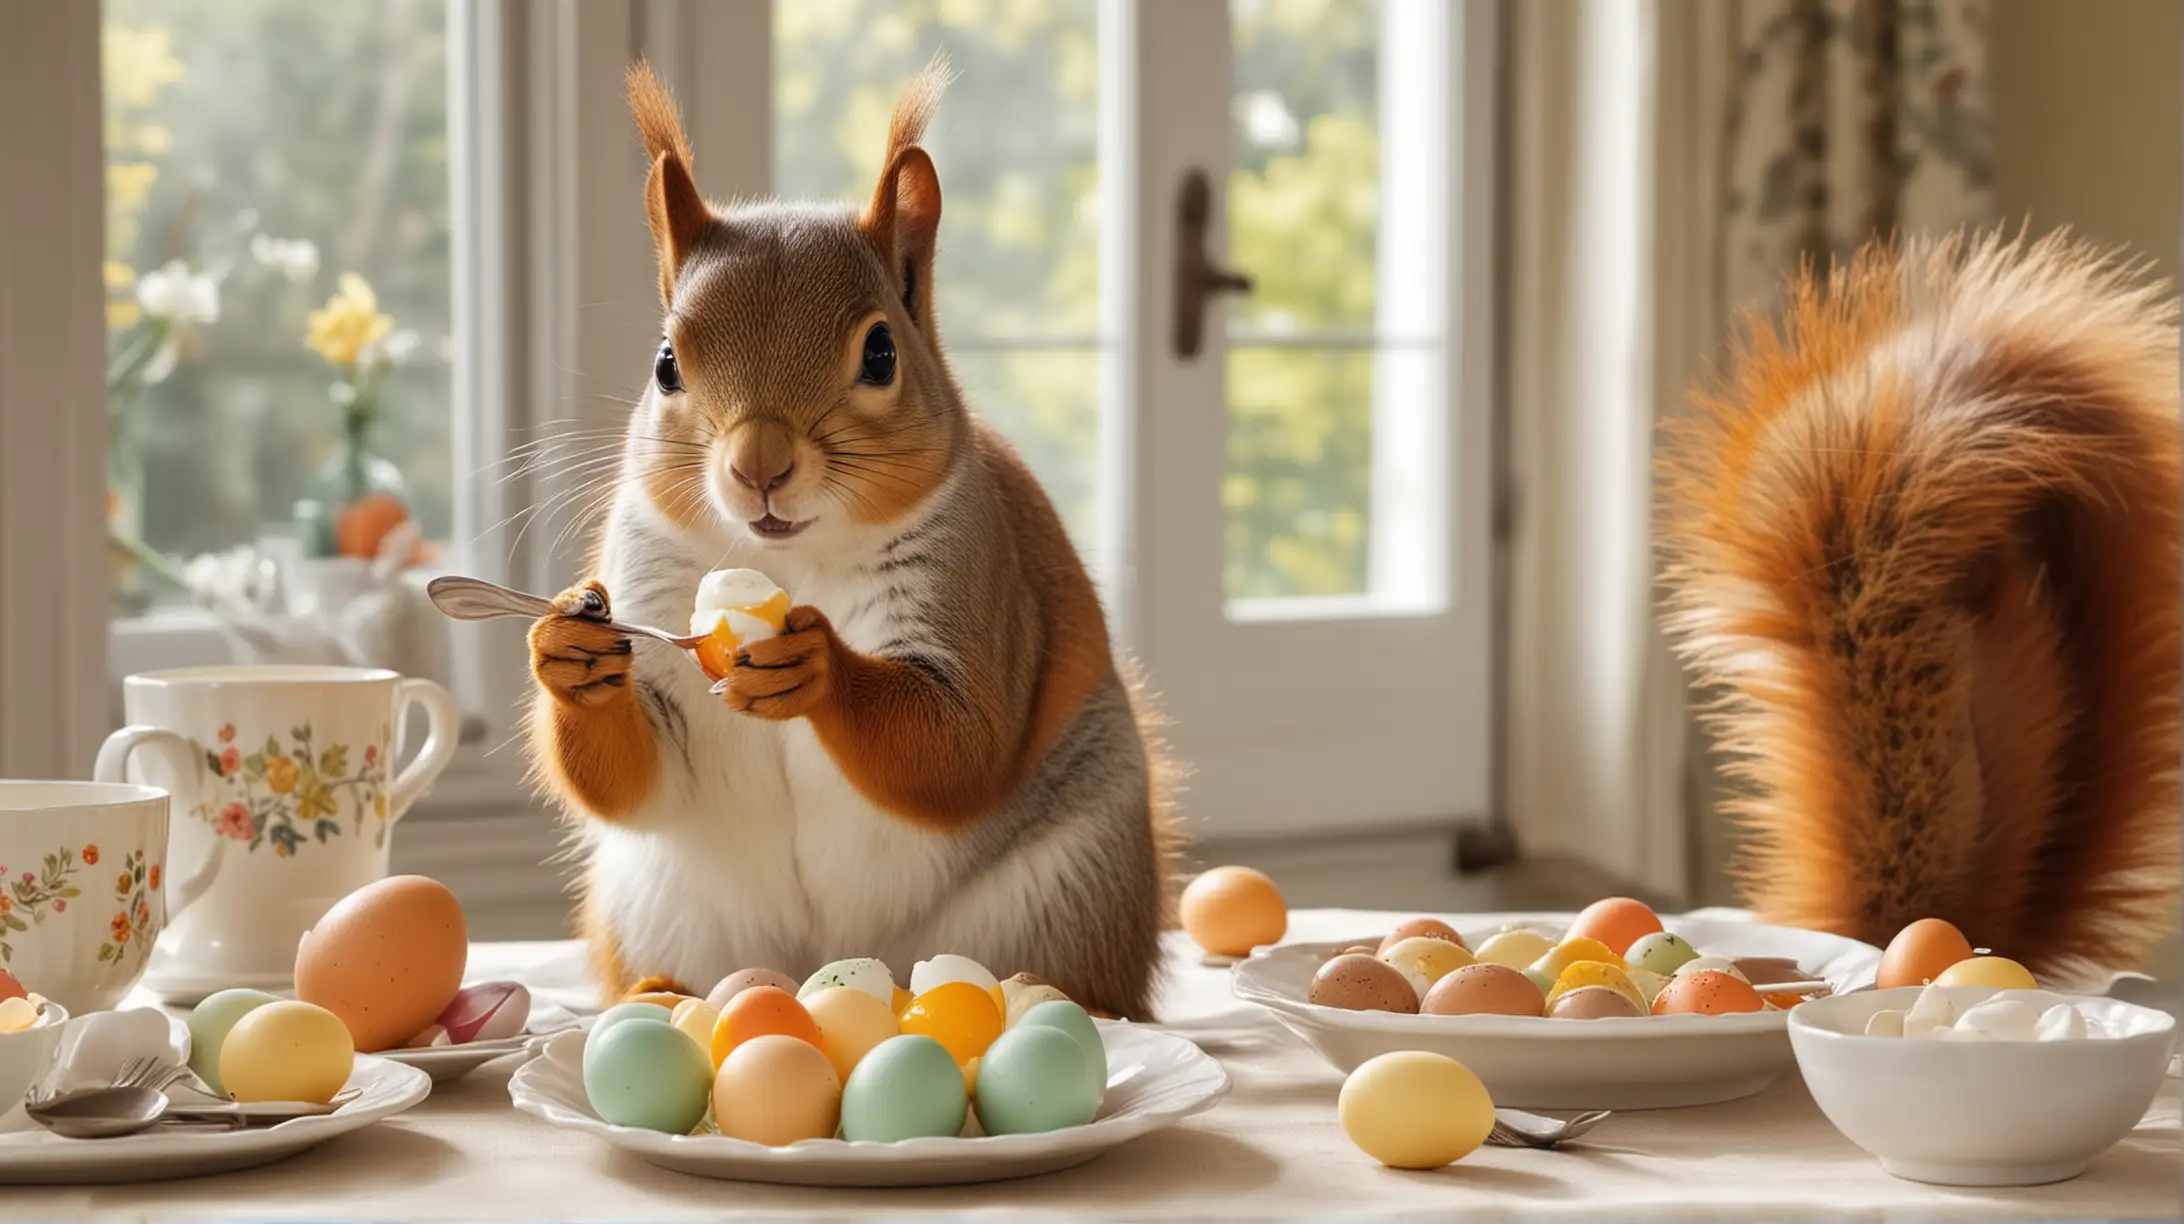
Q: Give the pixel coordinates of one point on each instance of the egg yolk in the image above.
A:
(958, 1015)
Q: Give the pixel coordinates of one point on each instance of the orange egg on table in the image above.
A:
(1617, 922)
(1414, 928)
(1920, 953)
(958, 1015)
(1229, 911)
(759, 1012)
(387, 959)
(1706, 993)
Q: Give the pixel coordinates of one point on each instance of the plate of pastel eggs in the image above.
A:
(849, 1079)
(1614, 1007)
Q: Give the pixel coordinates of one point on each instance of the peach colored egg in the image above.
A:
(1483, 989)
(387, 959)
(1594, 1003)
(776, 1089)
(743, 979)
(1706, 993)
(1430, 928)
(1920, 953)
(1617, 922)
(761, 1011)
(1229, 911)
(1355, 982)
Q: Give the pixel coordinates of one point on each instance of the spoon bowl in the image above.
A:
(100, 1113)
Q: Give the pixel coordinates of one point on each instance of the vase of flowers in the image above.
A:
(152, 330)
(357, 497)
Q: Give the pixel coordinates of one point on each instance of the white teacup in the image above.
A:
(84, 887)
(286, 773)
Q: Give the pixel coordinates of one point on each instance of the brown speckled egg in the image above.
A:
(1432, 928)
(1706, 993)
(1484, 989)
(1355, 982)
(1594, 1003)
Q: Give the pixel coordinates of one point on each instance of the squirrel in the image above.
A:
(1921, 543)
(948, 757)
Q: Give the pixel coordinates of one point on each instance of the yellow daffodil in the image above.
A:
(349, 322)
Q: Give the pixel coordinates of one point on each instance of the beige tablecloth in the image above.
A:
(1271, 1149)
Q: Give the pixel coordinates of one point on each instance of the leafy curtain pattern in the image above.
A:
(1850, 119)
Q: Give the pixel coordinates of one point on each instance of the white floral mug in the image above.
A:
(286, 773)
(84, 888)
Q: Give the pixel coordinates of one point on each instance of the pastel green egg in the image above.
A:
(619, 1013)
(1075, 1021)
(1660, 952)
(906, 1087)
(1035, 1078)
(209, 1023)
(645, 1072)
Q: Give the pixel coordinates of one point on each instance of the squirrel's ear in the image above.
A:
(678, 213)
(903, 223)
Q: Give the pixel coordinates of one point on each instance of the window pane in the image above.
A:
(1016, 143)
(257, 151)
(1300, 464)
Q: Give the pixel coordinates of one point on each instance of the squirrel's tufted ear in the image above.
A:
(679, 215)
(903, 220)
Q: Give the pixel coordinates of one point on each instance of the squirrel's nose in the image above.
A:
(763, 457)
(756, 480)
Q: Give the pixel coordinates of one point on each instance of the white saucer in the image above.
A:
(188, 990)
(1154, 1080)
(39, 1157)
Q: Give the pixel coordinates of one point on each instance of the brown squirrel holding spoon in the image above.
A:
(947, 758)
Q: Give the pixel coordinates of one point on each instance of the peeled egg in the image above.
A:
(1516, 948)
(211, 1021)
(2013, 1015)
(1355, 982)
(1706, 992)
(1920, 952)
(642, 1072)
(948, 967)
(906, 1087)
(1661, 952)
(1414, 1110)
(387, 959)
(777, 1090)
(489, 1011)
(1415, 928)
(1484, 989)
(1229, 911)
(743, 979)
(1077, 1023)
(1424, 960)
(1594, 1003)
(850, 1022)
(1595, 973)
(1997, 971)
(759, 1012)
(697, 1019)
(1036, 1078)
(866, 973)
(1617, 922)
(1570, 951)
(961, 1017)
(286, 1050)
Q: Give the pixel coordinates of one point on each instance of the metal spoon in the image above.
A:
(100, 1113)
(476, 599)
(1516, 1128)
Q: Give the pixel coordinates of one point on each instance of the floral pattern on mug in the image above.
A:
(132, 925)
(27, 898)
(289, 797)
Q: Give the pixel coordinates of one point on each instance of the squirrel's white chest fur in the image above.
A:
(755, 849)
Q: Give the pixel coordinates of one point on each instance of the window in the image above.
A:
(258, 154)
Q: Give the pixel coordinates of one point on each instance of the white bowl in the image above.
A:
(25, 1055)
(1527, 1062)
(1980, 1113)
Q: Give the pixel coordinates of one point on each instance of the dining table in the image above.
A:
(1272, 1148)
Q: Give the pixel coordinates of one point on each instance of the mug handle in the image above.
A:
(444, 724)
(181, 757)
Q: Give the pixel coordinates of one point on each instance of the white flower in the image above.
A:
(295, 258)
(173, 292)
(237, 576)
(398, 347)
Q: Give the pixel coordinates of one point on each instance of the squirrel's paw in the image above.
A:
(576, 657)
(787, 676)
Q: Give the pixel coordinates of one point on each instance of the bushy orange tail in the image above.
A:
(1921, 552)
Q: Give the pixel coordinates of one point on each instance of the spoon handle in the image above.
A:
(476, 599)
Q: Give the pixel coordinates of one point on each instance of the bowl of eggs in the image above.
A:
(848, 1079)
(1611, 1008)
(30, 1028)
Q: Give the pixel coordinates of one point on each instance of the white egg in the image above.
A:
(948, 967)
(2006, 1017)
(1929, 1013)
(867, 973)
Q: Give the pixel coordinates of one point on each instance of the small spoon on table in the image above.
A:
(476, 599)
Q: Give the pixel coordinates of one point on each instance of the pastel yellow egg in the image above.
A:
(287, 1051)
(1999, 972)
(1516, 949)
(697, 1019)
(1596, 973)
(1425, 960)
(1414, 1110)
(851, 1022)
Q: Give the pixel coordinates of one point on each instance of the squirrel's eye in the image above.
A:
(878, 368)
(664, 370)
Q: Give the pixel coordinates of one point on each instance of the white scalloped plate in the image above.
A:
(1154, 1080)
(1651, 1062)
(452, 1062)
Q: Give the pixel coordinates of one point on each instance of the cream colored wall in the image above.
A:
(2089, 119)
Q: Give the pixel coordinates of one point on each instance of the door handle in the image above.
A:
(1197, 277)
